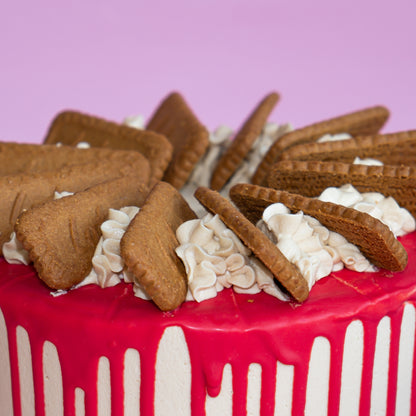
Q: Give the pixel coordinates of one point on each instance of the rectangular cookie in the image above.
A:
(72, 127)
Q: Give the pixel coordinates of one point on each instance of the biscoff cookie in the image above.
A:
(243, 141)
(364, 122)
(285, 272)
(72, 127)
(189, 137)
(61, 235)
(311, 178)
(149, 243)
(18, 158)
(24, 191)
(392, 149)
(374, 239)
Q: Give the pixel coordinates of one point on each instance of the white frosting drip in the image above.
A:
(214, 258)
(398, 219)
(305, 242)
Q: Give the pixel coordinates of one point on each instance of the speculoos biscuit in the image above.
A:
(374, 239)
(242, 142)
(287, 274)
(149, 243)
(364, 122)
(72, 127)
(61, 235)
(189, 137)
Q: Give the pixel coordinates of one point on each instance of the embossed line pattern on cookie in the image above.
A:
(243, 141)
(284, 271)
(311, 178)
(148, 246)
(392, 149)
(188, 136)
(364, 122)
(72, 127)
(371, 236)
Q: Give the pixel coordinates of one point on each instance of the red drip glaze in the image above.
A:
(238, 329)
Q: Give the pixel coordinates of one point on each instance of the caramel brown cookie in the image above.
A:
(190, 139)
(148, 246)
(61, 235)
(72, 127)
(371, 236)
(365, 122)
(16, 158)
(24, 191)
(243, 141)
(285, 272)
(311, 178)
(391, 149)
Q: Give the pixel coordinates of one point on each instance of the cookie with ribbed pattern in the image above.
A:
(24, 191)
(72, 127)
(364, 122)
(149, 243)
(16, 158)
(61, 235)
(188, 136)
(285, 272)
(311, 178)
(243, 141)
(392, 149)
(374, 239)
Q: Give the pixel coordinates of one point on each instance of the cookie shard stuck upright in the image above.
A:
(243, 142)
(188, 136)
(370, 235)
(61, 235)
(148, 246)
(286, 273)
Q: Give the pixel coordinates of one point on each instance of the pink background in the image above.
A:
(117, 58)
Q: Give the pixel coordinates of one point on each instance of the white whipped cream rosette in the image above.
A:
(214, 258)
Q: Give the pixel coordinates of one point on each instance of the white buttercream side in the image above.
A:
(24, 357)
(52, 381)
(223, 403)
(79, 402)
(173, 376)
(380, 376)
(386, 209)
(214, 258)
(317, 387)
(6, 397)
(285, 374)
(131, 382)
(104, 387)
(352, 368)
(406, 365)
(254, 389)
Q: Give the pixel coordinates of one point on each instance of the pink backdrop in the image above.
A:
(117, 58)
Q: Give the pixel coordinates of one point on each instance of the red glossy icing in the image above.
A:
(239, 329)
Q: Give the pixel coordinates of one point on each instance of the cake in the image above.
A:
(348, 349)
